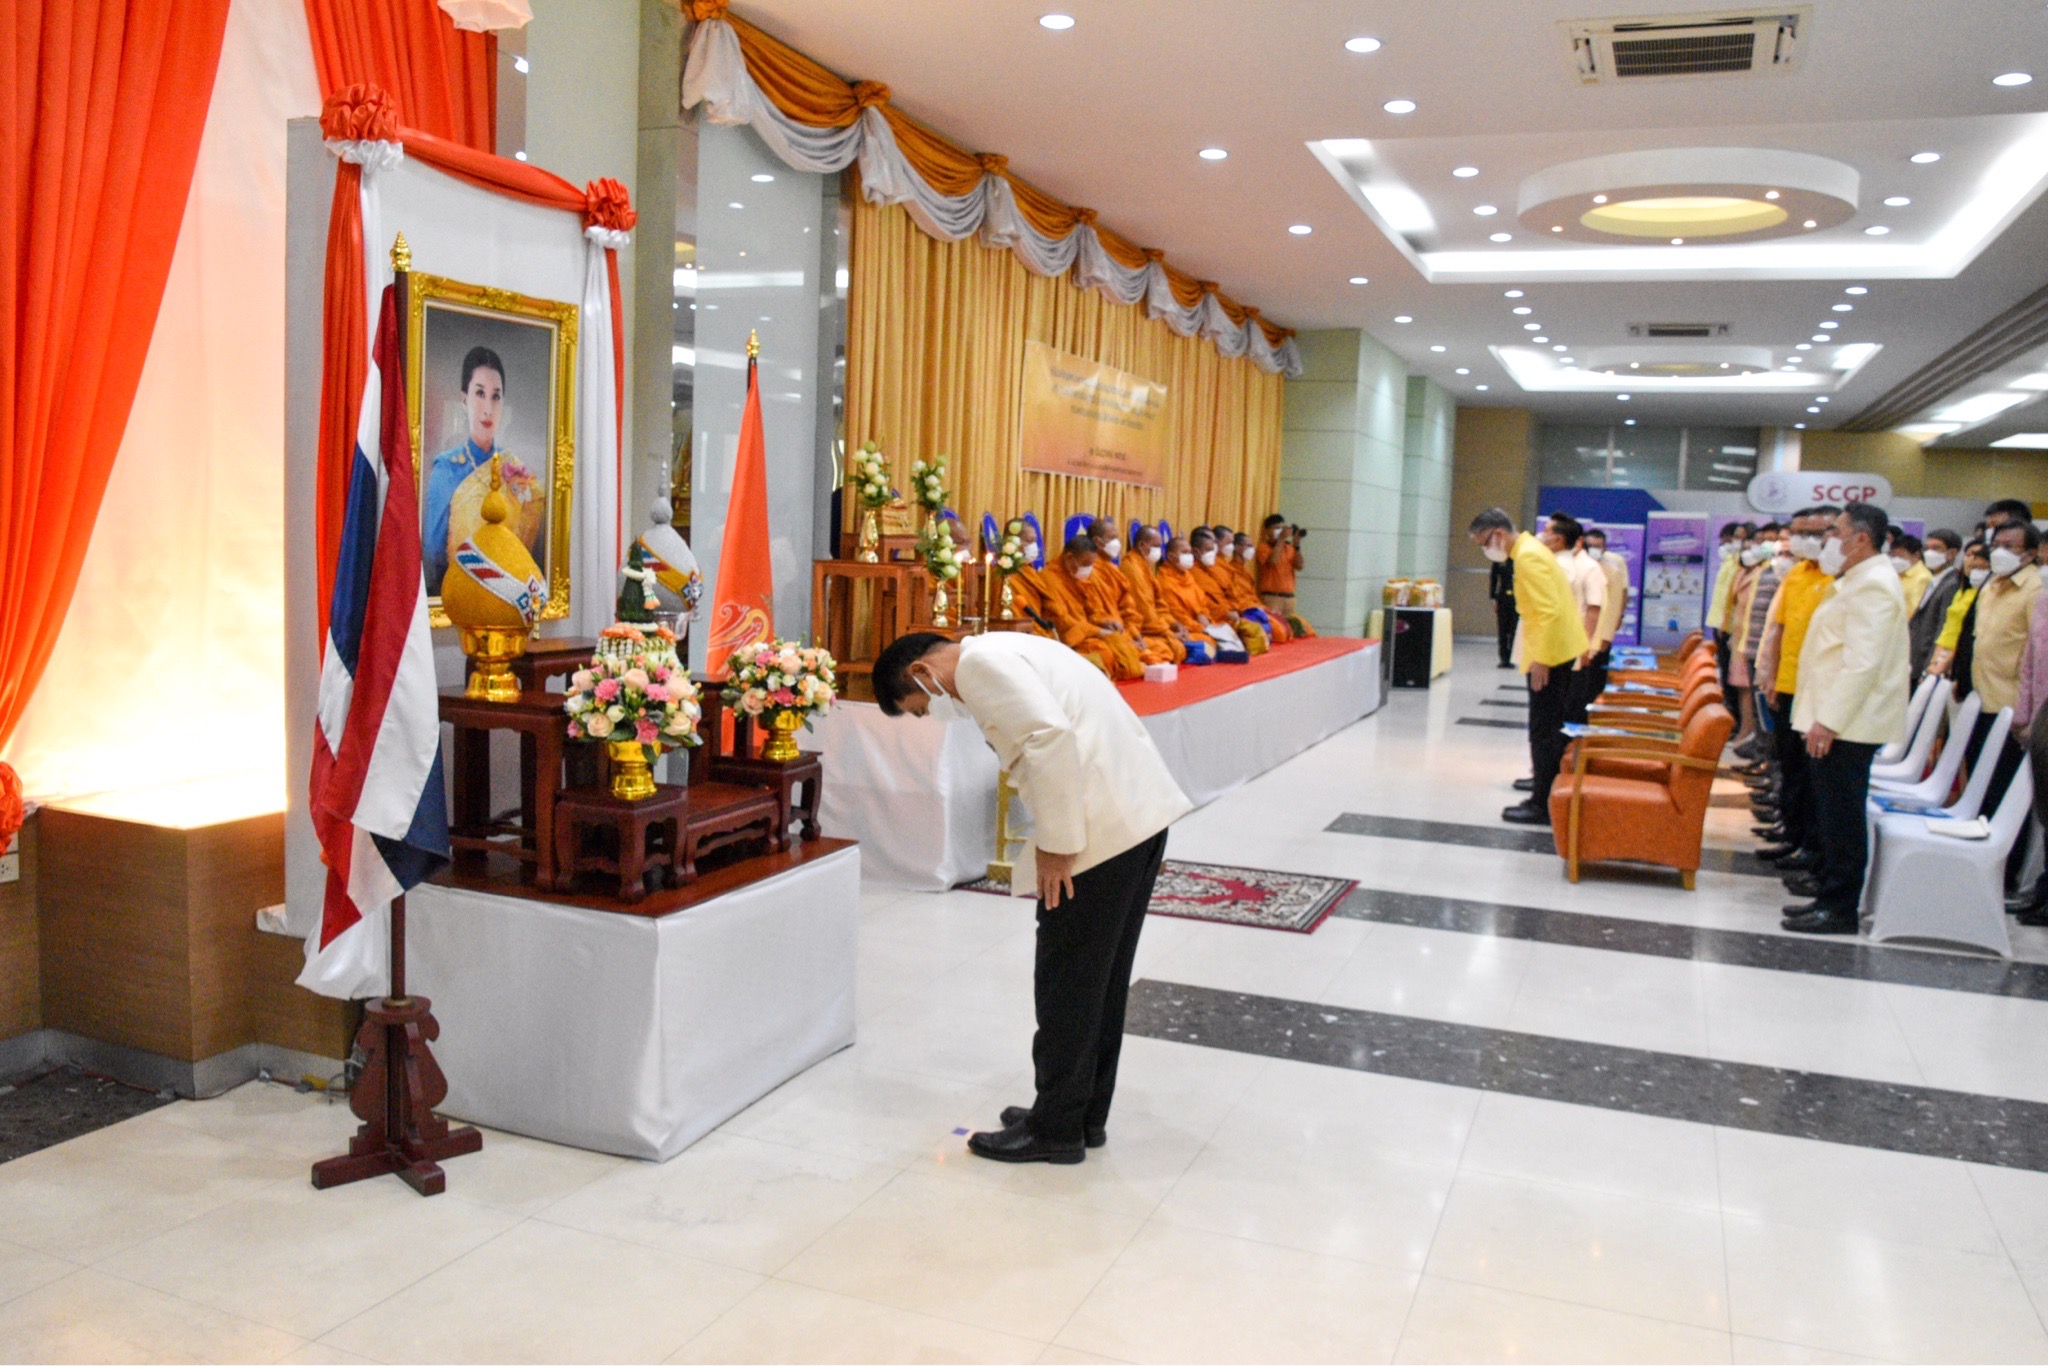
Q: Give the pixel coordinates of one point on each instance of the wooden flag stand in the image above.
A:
(396, 1094)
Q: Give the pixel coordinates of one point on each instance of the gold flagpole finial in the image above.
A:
(401, 254)
(753, 345)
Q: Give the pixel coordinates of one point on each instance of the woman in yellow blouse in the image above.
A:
(1976, 572)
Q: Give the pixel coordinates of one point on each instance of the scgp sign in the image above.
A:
(1787, 491)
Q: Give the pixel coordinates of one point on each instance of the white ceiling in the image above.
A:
(1111, 112)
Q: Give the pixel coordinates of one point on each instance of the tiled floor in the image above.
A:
(1249, 1207)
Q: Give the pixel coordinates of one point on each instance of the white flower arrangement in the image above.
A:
(626, 694)
(868, 476)
(928, 483)
(781, 676)
(1011, 557)
(942, 557)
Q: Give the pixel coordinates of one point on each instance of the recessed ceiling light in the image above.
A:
(1438, 348)
(1360, 280)
(1799, 426)
(1539, 339)
(1599, 199)
(735, 204)
(1844, 308)
(1212, 154)
(1876, 230)
(1810, 223)
(1500, 237)
(1485, 210)
(1463, 370)
(1856, 289)
(1829, 326)
(761, 177)
(519, 155)
(1521, 310)
(521, 65)
(1464, 172)
(1056, 21)
(1822, 337)
(1512, 294)
(1804, 346)
(1822, 399)
(1788, 367)
(1532, 327)
(1399, 106)
(1560, 347)
(1557, 227)
(1403, 318)
(1770, 194)
(1897, 201)
(1924, 158)
(1300, 229)
(1628, 422)
(1635, 365)
(1623, 398)
(2012, 78)
(1361, 45)
(1480, 387)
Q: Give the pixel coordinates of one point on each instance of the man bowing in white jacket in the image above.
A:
(1100, 799)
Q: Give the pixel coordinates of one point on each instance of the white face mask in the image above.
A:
(939, 705)
(1228, 552)
(1806, 547)
(1979, 577)
(1902, 563)
(1756, 554)
(1832, 556)
(1085, 571)
(1728, 549)
(2004, 563)
(1275, 532)
(1936, 560)
(1497, 553)
(1208, 558)
(1185, 560)
(1152, 554)
(1113, 547)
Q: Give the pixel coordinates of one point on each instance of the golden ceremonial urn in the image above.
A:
(781, 747)
(494, 593)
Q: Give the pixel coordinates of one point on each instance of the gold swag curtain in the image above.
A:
(934, 366)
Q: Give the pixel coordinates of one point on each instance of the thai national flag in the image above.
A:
(377, 798)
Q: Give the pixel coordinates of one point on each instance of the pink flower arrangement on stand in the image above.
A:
(645, 696)
(783, 683)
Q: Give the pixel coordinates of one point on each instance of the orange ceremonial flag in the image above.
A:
(743, 602)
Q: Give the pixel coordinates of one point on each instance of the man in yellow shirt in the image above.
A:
(2004, 606)
(1553, 638)
(1777, 672)
(1616, 569)
(1914, 576)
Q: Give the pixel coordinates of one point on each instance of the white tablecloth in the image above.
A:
(921, 798)
(627, 1034)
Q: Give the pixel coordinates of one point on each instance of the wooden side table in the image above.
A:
(794, 808)
(473, 831)
(553, 658)
(647, 834)
(722, 814)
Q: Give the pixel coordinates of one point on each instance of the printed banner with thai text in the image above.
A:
(1081, 418)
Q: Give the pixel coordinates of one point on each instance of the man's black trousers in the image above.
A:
(1548, 707)
(1082, 982)
(1795, 789)
(1505, 619)
(1841, 787)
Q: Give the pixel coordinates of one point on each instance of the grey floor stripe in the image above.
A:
(1502, 702)
(1522, 840)
(1816, 1105)
(1941, 971)
(1489, 721)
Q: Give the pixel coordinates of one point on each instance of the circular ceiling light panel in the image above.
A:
(1688, 362)
(1361, 45)
(1212, 154)
(1056, 22)
(1714, 194)
(1399, 106)
(1465, 172)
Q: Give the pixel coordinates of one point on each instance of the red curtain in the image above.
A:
(444, 79)
(102, 103)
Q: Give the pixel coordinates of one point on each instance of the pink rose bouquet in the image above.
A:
(643, 695)
(781, 676)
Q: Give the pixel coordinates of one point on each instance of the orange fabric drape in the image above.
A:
(935, 335)
(814, 95)
(104, 102)
(445, 81)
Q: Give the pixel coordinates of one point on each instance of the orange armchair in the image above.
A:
(1653, 810)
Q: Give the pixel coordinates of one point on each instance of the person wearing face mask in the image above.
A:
(1733, 537)
(1778, 673)
(1140, 583)
(1111, 602)
(1101, 799)
(1552, 639)
(1941, 557)
(1905, 551)
(1067, 601)
(1773, 559)
(1851, 704)
(1565, 537)
(1610, 565)
(1222, 590)
(1276, 561)
(1749, 568)
(2004, 607)
(1248, 601)
(1185, 598)
(1952, 647)
(2030, 722)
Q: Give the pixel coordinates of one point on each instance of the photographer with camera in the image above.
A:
(1279, 559)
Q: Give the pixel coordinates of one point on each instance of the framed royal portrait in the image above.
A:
(490, 372)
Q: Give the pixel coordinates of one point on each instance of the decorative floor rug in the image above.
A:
(1297, 902)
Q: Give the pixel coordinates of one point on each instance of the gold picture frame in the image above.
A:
(471, 308)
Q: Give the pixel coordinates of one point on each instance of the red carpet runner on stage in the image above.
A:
(1201, 684)
(1234, 896)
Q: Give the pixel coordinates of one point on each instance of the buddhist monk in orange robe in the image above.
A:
(1027, 600)
(1222, 594)
(1072, 606)
(1248, 600)
(1187, 600)
(1114, 598)
(1138, 571)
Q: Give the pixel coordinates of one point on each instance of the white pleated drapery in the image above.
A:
(717, 78)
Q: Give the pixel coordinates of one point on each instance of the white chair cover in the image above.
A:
(1936, 785)
(1916, 707)
(1912, 766)
(1928, 886)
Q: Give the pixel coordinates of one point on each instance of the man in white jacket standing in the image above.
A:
(1100, 799)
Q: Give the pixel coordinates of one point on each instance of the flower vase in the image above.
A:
(940, 603)
(632, 779)
(781, 747)
(869, 550)
(1009, 601)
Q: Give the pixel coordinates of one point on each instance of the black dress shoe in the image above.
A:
(1797, 862)
(1770, 834)
(1525, 784)
(2038, 917)
(1526, 813)
(1016, 1143)
(1814, 920)
(1017, 1114)
(2019, 905)
(1766, 814)
(1505, 664)
(1776, 852)
(1803, 884)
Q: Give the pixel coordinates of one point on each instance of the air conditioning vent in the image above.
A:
(1728, 43)
(1677, 331)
